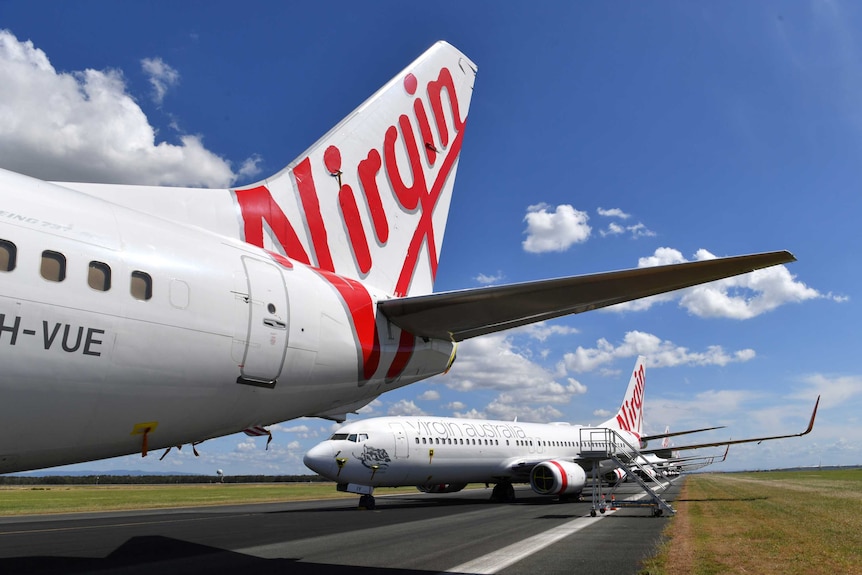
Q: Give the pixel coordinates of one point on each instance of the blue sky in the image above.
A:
(601, 136)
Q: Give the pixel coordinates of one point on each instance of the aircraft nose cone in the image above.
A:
(320, 459)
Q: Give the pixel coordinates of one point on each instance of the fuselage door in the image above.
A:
(402, 449)
(266, 344)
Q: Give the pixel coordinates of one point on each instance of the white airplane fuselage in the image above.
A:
(430, 451)
(87, 371)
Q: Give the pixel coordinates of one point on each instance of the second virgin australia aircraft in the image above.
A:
(444, 454)
(143, 317)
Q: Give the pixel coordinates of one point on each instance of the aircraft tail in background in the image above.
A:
(629, 417)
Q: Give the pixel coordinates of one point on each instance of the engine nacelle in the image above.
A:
(441, 487)
(557, 477)
(615, 475)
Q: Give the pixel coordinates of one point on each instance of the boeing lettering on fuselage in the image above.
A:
(308, 293)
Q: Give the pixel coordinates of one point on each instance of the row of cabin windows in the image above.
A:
(518, 442)
(458, 441)
(53, 268)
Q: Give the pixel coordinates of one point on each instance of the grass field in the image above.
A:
(67, 499)
(803, 522)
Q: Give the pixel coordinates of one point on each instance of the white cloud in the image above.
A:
(161, 76)
(430, 395)
(613, 229)
(613, 213)
(85, 126)
(507, 411)
(659, 353)
(554, 231)
(456, 406)
(834, 390)
(472, 414)
(739, 297)
(486, 279)
(542, 330)
(494, 362)
(404, 407)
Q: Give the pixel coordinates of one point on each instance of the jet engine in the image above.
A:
(441, 487)
(557, 477)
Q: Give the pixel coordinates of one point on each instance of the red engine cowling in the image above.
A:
(441, 487)
(557, 477)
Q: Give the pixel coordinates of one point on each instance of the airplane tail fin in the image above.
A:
(370, 199)
(630, 415)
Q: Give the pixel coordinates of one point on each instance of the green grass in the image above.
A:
(800, 522)
(67, 499)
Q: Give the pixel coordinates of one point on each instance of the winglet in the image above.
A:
(813, 415)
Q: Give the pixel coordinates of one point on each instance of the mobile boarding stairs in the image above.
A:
(600, 444)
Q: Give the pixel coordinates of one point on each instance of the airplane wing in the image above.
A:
(462, 314)
(646, 438)
(665, 452)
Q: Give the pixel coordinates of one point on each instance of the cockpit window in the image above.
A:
(354, 437)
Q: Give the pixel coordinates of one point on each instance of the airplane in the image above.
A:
(135, 318)
(444, 454)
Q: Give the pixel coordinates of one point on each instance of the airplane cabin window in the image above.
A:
(53, 266)
(99, 276)
(142, 285)
(8, 253)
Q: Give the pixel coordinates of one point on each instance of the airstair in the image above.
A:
(601, 444)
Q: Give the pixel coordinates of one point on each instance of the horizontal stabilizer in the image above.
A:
(463, 314)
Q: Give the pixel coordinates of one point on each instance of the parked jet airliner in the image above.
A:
(143, 317)
(444, 454)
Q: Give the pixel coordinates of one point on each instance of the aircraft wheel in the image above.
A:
(509, 492)
(592, 512)
(371, 504)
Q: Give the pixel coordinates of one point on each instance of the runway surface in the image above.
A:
(405, 534)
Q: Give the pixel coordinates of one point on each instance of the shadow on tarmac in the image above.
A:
(149, 555)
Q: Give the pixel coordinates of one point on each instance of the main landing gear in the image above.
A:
(367, 502)
(503, 492)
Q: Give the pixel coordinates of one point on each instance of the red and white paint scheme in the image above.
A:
(143, 317)
(441, 454)
(444, 454)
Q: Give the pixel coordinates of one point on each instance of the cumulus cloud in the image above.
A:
(161, 77)
(613, 213)
(740, 297)
(430, 395)
(85, 126)
(404, 407)
(637, 230)
(541, 331)
(486, 279)
(659, 353)
(554, 231)
(494, 362)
